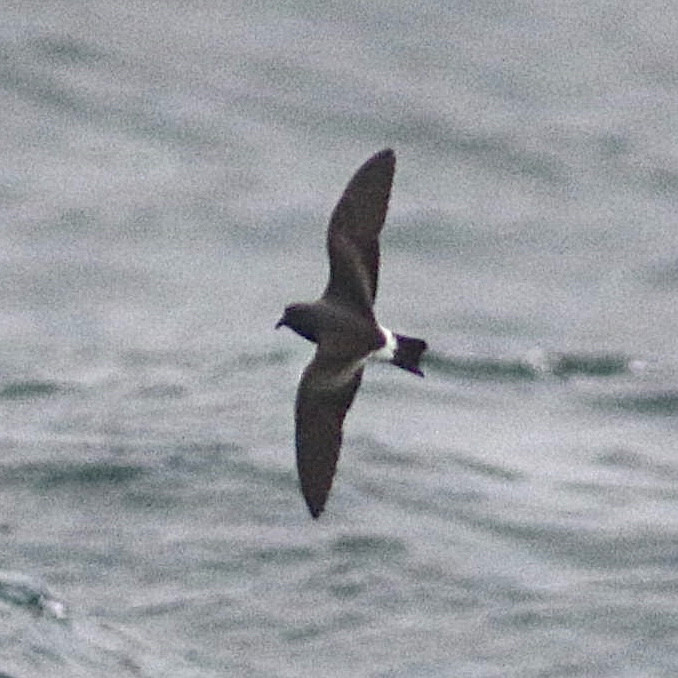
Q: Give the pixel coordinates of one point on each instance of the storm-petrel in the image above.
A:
(343, 325)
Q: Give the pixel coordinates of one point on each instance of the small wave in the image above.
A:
(250, 361)
(481, 368)
(589, 364)
(368, 545)
(479, 467)
(32, 388)
(533, 365)
(49, 475)
(663, 403)
(68, 50)
(91, 473)
(635, 461)
(24, 592)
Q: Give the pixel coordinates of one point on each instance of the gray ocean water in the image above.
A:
(167, 174)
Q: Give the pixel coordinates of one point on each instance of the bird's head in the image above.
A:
(301, 319)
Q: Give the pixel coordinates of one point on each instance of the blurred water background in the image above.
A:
(167, 174)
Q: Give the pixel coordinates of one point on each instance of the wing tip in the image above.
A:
(315, 510)
(386, 154)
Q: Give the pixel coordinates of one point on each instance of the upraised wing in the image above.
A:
(353, 233)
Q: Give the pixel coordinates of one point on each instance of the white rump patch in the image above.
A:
(386, 352)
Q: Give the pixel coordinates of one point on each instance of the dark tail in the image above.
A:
(408, 353)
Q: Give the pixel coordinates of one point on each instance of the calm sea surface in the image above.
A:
(167, 174)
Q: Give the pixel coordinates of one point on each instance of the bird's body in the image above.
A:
(343, 326)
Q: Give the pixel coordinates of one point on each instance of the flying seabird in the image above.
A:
(343, 325)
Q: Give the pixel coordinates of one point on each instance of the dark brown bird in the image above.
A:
(343, 325)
